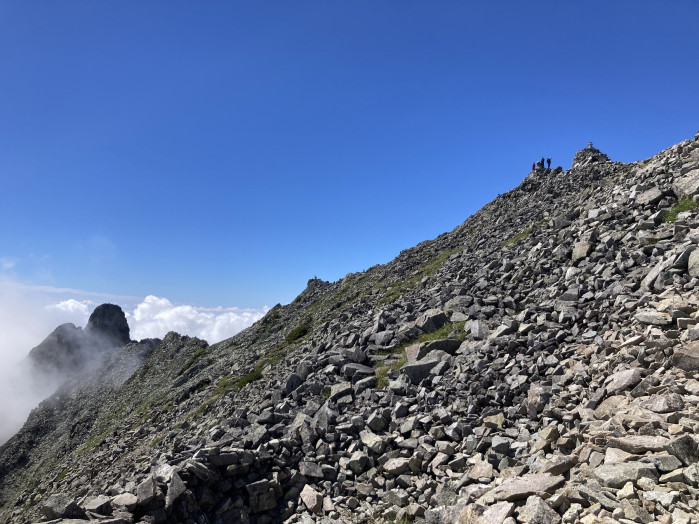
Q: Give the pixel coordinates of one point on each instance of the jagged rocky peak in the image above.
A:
(589, 155)
(70, 349)
(108, 320)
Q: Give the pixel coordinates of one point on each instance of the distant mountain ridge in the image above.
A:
(539, 363)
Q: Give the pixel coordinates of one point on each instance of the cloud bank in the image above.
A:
(30, 313)
(154, 317)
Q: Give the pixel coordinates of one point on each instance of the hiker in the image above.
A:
(548, 161)
(542, 162)
(533, 166)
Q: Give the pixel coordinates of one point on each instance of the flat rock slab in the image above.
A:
(419, 370)
(650, 196)
(616, 475)
(639, 444)
(126, 500)
(519, 488)
(623, 380)
(61, 505)
(396, 466)
(340, 390)
(448, 345)
(653, 317)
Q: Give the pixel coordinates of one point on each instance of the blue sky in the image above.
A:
(222, 153)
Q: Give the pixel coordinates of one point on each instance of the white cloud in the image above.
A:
(75, 311)
(155, 316)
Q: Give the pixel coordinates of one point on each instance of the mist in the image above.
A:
(28, 314)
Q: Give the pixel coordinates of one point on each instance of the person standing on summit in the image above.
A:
(548, 162)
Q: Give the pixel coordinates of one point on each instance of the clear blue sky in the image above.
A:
(222, 153)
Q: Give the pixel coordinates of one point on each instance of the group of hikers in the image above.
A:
(540, 164)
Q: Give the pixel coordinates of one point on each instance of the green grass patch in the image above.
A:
(62, 475)
(157, 441)
(429, 268)
(325, 394)
(298, 332)
(517, 237)
(686, 204)
(445, 331)
(94, 441)
(382, 372)
(198, 353)
(201, 409)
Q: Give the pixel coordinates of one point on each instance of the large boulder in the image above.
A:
(687, 185)
(60, 506)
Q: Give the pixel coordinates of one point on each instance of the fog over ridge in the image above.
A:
(28, 314)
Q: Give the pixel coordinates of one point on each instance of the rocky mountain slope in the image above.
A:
(537, 364)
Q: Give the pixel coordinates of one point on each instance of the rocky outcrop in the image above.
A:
(70, 350)
(536, 364)
(108, 322)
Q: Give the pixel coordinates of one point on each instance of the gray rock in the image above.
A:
(262, 496)
(175, 488)
(519, 488)
(623, 380)
(372, 441)
(478, 328)
(431, 320)
(581, 250)
(419, 370)
(687, 357)
(652, 317)
(396, 466)
(311, 469)
(125, 500)
(312, 500)
(651, 196)
(687, 185)
(340, 390)
(616, 475)
(61, 505)
(685, 448)
(693, 263)
(100, 504)
(536, 511)
(293, 381)
(146, 491)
